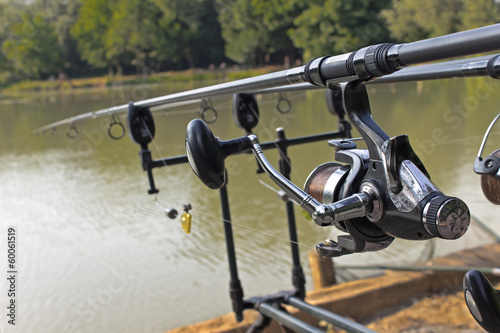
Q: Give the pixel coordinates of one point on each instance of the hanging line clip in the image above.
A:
(283, 104)
(115, 122)
(72, 131)
(208, 112)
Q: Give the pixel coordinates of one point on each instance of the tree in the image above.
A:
(254, 28)
(64, 17)
(411, 20)
(479, 13)
(90, 31)
(190, 33)
(5, 66)
(339, 26)
(32, 47)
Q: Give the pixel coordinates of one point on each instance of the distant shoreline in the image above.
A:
(160, 77)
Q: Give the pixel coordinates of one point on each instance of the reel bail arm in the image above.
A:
(206, 155)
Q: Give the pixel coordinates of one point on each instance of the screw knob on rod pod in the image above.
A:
(206, 153)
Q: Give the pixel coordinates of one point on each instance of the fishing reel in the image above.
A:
(482, 299)
(375, 195)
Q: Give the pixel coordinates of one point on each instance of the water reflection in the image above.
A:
(97, 251)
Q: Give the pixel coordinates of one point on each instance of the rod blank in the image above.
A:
(460, 44)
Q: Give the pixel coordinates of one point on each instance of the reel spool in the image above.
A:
(489, 169)
(322, 183)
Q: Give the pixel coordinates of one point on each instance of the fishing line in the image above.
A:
(267, 185)
(486, 229)
(159, 205)
(178, 112)
(268, 234)
(464, 139)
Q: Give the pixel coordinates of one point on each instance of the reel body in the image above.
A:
(404, 202)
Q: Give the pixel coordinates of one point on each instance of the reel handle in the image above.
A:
(483, 300)
(206, 153)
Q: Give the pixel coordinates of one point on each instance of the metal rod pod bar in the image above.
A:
(286, 319)
(328, 316)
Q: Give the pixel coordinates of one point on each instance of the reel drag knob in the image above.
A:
(446, 217)
(483, 300)
(206, 153)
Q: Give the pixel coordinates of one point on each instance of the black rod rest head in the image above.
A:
(206, 153)
(141, 125)
(334, 101)
(245, 111)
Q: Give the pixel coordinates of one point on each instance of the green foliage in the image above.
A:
(40, 38)
(478, 13)
(190, 32)
(411, 20)
(31, 46)
(254, 28)
(146, 33)
(339, 26)
(90, 31)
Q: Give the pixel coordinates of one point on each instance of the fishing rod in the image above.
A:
(488, 65)
(366, 64)
(469, 67)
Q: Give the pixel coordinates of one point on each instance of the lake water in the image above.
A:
(95, 252)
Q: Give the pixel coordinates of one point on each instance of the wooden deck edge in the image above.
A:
(364, 299)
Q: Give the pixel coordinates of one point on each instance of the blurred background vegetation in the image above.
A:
(47, 39)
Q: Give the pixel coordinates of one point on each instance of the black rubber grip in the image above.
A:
(490, 68)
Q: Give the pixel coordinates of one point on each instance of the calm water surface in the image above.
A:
(97, 254)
